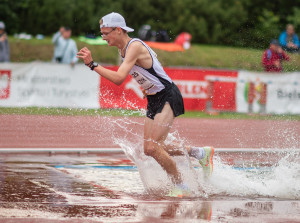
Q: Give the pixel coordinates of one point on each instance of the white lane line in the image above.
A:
(119, 150)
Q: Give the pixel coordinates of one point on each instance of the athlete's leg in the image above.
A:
(155, 133)
(203, 154)
(176, 149)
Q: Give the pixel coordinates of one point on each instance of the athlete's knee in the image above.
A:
(151, 148)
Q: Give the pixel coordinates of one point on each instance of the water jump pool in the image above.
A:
(78, 185)
(73, 183)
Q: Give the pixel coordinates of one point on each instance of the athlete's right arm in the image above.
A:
(117, 77)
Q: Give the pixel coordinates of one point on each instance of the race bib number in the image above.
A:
(142, 80)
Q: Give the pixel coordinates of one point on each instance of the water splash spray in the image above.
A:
(279, 180)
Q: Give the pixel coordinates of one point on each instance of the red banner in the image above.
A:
(193, 84)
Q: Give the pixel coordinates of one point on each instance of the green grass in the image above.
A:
(234, 115)
(208, 56)
(69, 111)
(137, 113)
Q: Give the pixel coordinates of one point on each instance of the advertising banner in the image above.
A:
(268, 92)
(60, 85)
(192, 83)
(48, 85)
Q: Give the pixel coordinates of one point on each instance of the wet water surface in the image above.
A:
(109, 188)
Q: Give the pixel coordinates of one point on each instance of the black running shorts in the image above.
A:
(170, 94)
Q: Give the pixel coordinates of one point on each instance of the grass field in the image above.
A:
(207, 56)
(137, 113)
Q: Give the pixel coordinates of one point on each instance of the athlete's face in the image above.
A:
(109, 34)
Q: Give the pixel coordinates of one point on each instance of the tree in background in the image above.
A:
(295, 18)
(250, 23)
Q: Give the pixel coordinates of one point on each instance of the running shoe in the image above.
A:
(180, 190)
(207, 161)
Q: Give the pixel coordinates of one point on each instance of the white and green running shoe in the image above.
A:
(207, 161)
(180, 190)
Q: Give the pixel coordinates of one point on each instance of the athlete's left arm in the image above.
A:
(117, 77)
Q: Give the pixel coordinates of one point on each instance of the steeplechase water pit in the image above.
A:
(72, 180)
(104, 185)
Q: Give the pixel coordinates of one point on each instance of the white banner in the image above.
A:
(282, 95)
(48, 85)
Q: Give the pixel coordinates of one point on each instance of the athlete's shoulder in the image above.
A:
(135, 45)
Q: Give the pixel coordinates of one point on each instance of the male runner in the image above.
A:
(164, 98)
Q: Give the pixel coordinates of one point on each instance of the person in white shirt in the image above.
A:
(65, 49)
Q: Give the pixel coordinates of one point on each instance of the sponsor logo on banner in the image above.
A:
(133, 85)
(188, 89)
(5, 78)
(290, 94)
(192, 89)
(271, 93)
(252, 91)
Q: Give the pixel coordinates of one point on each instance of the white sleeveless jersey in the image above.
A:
(152, 80)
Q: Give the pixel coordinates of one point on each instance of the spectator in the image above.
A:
(289, 39)
(145, 33)
(65, 49)
(4, 46)
(184, 39)
(273, 57)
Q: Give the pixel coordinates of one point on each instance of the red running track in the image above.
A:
(41, 131)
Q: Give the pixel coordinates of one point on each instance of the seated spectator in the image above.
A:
(4, 46)
(146, 34)
(289, 39)
(65, 49)
(184, 39)
(273, 57)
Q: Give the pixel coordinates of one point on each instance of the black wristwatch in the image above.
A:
(92, 65)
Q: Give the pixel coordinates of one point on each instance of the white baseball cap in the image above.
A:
(115, 20)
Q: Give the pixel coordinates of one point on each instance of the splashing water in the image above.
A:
(279, 180)
(154, 178)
